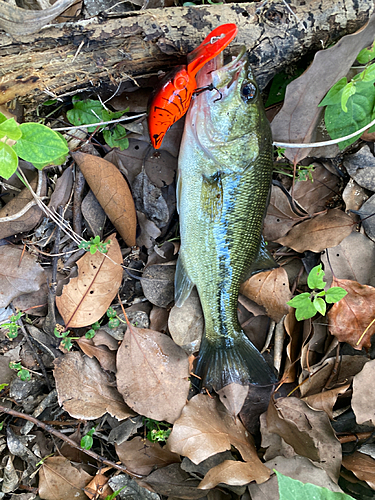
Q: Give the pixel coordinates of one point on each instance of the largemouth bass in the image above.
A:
(224, 178)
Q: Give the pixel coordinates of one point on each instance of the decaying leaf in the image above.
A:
(105, 356)
(142, 457)
(235, 473)
(363, 400)
(271, 290)
(149, 200)
(326, 400)
(280, 217)
(112, 192)
(98, 486)
(92, 394)
(308, 431)
(351, 319)
(323, 231)
(58, 478)
(362, 466)
(152, 374)
(233, 397)
(19, 273)
(87, 297)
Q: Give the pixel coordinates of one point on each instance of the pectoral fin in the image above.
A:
(263, 261)
(182, 283)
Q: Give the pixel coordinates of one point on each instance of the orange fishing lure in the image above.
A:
(172, 98)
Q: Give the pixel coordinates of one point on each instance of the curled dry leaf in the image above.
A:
(98, 485)
(20, 273)
(280, 217)
(363, 400)
(142, 457)
(152, 374)
(351, 319)
(362, 466)
(87, 297)
(308, 431)
(112, 192)
(233, 397)
(235, 474)
(58, 478)
(102, 353)
(271, 290)
(323, 231)
(326, 400)
(85, 391)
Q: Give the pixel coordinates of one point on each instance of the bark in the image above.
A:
(63, 58)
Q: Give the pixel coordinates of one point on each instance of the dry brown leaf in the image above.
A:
(293, 349)
(19, 273)
(280, 217)
(350, 319)
(98, 486)
(63, 189)
(85, 391)
(112, 192)
(323, 231)
(206, 428)
(233, 397)
(105, 356)
(27, 221)
(363, 400)
(58, 479)
(152, 374)
(308, 431)
(235, 474)
(326, 400)
(362, 466)
(142, 457)
(271, 290)
(297, 120)
(87, 297)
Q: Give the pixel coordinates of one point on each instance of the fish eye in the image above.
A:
(248, 92)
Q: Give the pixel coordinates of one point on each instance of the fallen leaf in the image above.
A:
(351, 319)
(149, 199)
(271, 290)
(362, 466)
(158, 283)
(293, 348)
(308, 431)
(87, 297)
(98, 486)
(140, 456)
(256, 403)
(299, 116)
(323, 231)
(326, 400)
(58, 478)
(353, 259)
(62, 190)
(280, 217)
(233, 397)
(206, 428)
(354, 196)
(363, 400)
(159, 319)
(111, 191)
(105, 356)
(149, 231)
(186, 323)
(152, 374)
(92, 394)
(30, 219)
(93, 214)
(20, 273)
(235, 473)
(273, 443)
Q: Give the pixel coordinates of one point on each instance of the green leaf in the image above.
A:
(291, 489)
(85, 112)
(87, 442)
(366, 55)
(320, 305)
(108, 115)
(335, 294)
(3, 118)
(90, 333)
(113, 495)
(359, 113)
(315, 278)
(24, 374)
(40, 145)
(333, 96)
(348, 91)
(8, 160)
(116, 138)
(93, 249)
(299, 300)
(10, 129)
(306, 311)
(2, 386)
(369, 74)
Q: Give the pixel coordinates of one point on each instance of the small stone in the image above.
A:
(361, 167)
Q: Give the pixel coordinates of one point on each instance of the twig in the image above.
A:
(72, 443)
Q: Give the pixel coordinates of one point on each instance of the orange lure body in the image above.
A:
(172, 98)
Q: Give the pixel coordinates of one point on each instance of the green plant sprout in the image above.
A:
(22, 373)
(113, 495)
(157, 431)
(292, 489)
(94, 328)
(303, 173)
(66, 341)
(2, 386)
(87, 440)
(12, 326)
(94, 244)
(35, 143)
(114, 320)
(92, 111)
(307, 304)
(351, 105)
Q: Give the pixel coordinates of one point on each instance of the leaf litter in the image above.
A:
(324, 363)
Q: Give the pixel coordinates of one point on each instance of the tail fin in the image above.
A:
(226, 361)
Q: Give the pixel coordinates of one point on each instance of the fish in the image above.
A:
(224, 177)
(171, 99)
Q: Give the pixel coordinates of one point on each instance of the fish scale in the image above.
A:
(225, 170)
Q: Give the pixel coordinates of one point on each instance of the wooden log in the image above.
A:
(66, 57)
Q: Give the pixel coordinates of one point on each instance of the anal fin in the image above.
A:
(182, 283)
